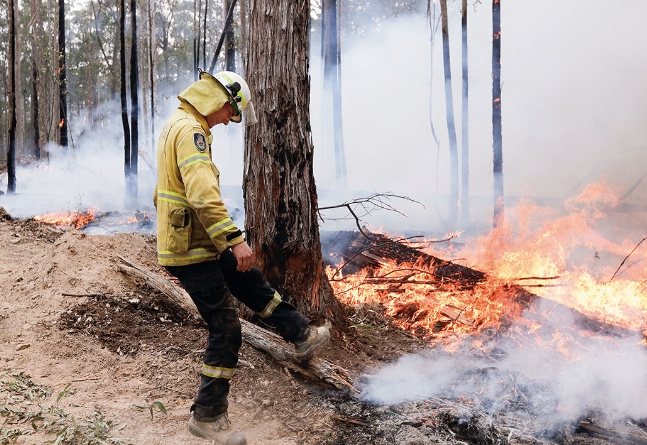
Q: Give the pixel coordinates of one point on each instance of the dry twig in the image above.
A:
(623, 261)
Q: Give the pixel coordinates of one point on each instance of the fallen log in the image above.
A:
(255, 336)
(372, 249)
(612, 434)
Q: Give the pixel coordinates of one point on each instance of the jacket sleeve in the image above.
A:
(202, 188)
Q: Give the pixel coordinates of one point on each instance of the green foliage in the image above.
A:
(25, 412)
(151, 407)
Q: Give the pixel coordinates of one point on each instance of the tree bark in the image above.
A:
(451, 126)
(497, 137)
(278, 184)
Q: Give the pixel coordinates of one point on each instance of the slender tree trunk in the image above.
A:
(243, 32)
(230, 43)
(62, 76)
(11, 93)
(278, 184)
(204, 35)
(497, 138)
(465, 141)
(124, 105)
(197, 7)
(451, 126)
(228, 19)
(151, 69)
(20, 97)
(35, 115)
(433, 28)
(332, 89)
(134, 105)
(36, 61)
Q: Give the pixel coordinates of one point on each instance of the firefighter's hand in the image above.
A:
(244, 255)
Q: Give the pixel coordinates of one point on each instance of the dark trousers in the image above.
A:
(211, 285)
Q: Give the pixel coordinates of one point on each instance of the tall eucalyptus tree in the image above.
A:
(278, 185)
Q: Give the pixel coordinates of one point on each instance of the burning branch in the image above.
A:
(623, 261)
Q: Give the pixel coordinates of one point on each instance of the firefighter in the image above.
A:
(198, 242)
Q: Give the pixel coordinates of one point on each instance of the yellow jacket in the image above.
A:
(192, 221)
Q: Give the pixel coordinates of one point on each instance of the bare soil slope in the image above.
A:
(91, 353)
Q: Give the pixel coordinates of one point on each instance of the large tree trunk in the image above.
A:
(11, 93)
(465, 139)
(497, 139)
(451, 126)
(278, 184)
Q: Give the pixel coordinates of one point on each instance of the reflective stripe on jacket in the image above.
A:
(192, 221)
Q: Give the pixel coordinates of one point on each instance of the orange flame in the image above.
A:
(75, 219)
(557, 253)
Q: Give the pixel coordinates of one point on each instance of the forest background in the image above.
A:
(574, 102)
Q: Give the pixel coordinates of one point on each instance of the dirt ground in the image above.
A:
(92, 355)
(89, 354)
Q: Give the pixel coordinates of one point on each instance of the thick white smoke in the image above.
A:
(543, 384)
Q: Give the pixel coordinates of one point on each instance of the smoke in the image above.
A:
(522, 376)
(89, 173)
(573, 108)
(573, 111)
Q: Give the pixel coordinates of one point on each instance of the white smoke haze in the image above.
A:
(573, 108)
(518, 377)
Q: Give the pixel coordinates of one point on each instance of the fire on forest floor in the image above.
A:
(568, 356)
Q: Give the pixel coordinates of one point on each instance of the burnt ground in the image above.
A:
(86, 341)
